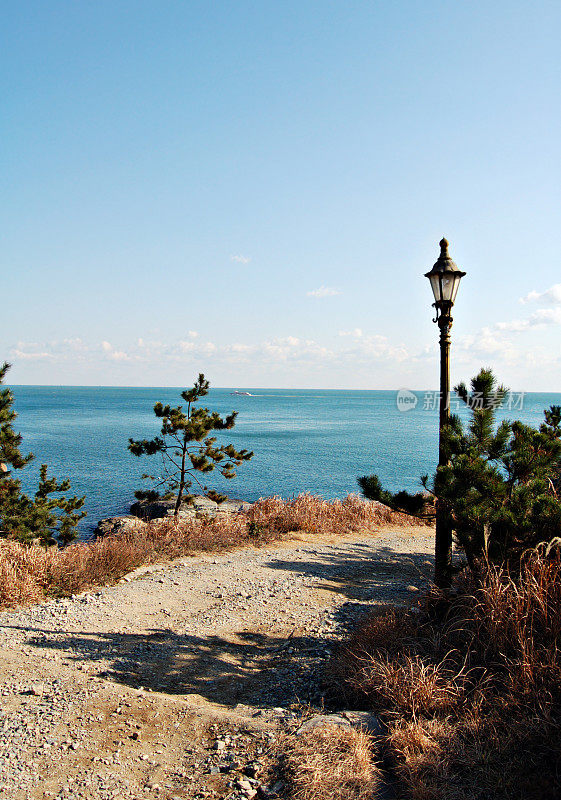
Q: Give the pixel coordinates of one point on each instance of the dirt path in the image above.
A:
(168, 683)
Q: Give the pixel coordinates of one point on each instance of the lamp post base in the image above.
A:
(442, 548)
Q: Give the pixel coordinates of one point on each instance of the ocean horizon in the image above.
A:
(316, 440)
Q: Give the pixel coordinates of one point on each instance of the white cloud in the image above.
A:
(23, 355)
(546, 316)
(375, 347)
(540, 318)
(193, 334)
(551, 296)
(240, 259)
(119, 355)
(356, 333)
(74, 344)
(114, 355)
(484, 344)
(324, 291)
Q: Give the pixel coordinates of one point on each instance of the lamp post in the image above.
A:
(444, 279)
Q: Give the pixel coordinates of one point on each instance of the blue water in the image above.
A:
(303, 440)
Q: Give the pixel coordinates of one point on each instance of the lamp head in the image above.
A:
(444, 279)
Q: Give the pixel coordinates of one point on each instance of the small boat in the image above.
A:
(245, 394)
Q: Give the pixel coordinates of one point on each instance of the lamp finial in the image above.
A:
(444, 246)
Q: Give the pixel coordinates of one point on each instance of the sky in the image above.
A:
(254, 190)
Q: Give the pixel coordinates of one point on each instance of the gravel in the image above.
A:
(171, 682)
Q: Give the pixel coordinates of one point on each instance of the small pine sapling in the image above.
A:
(187, 449)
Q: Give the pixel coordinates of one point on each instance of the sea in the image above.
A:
(309, 440)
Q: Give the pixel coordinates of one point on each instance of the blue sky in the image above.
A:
(255, 189)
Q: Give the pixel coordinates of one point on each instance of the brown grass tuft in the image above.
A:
(477, 757)
(330, 762)
(411, 685)
(22, 574)
(313, 514)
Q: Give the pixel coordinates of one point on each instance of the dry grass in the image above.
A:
(22, 574)
(330, 763)
(472, 698)
(312, 514)
(477, 756)
(30, 573)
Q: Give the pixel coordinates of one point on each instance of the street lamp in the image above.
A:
(444, 279)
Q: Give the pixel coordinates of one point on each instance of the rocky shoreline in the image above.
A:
(142, 512)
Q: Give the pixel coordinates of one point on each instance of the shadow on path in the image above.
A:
(256, 665)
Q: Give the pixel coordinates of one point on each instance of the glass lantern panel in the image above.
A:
(456, 286)
(447, 284)
(435, 286)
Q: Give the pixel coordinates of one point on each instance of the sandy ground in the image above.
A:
(169, 683)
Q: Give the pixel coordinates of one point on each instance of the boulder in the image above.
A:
(365, 720)
(116, 525)
(202, 503)
(233, 506)
(198, 506)
(155, 509)
(323, 720)
(370, 723)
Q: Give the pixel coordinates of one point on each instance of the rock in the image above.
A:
(160, 509)
(233, 506)
(322, 720)
(157, 509)
(37, 689)
(201, 503)
(116, 525)
(198, 506)
(368, 722)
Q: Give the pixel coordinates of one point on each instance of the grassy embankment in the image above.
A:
(28, 574)
(470, 691)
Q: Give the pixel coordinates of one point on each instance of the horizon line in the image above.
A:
(241, 388)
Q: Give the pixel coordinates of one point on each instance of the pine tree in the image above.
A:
(418, 505)
(49, 519)
(501, 486)
(187, 449)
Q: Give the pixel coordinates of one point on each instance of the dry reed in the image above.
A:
(313, 514)
(330, 762)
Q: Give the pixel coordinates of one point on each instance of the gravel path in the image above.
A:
(172, 683)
